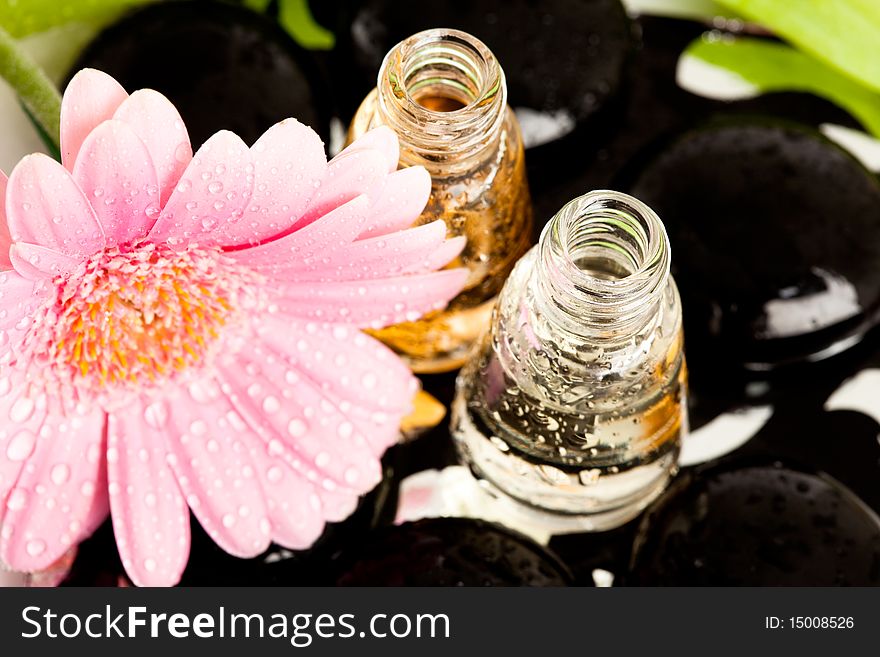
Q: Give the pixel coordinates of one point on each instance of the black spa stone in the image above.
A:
(564, 60)
(775, 235)
(449, 552)
(224, 67)
(757, 525)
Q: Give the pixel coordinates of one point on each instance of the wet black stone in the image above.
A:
(559, 56)
(757, 524)
(762, 211)
(448, 552)
(224, 67)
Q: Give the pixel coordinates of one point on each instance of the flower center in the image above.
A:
(135, 319)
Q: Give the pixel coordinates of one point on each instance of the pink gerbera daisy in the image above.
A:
(181, 331)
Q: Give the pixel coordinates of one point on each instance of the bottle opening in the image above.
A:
(605, 256)
(607, 240)
(447, 70)
(437, 103)
(444, 92)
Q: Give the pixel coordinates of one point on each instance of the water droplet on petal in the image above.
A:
(156, 415)
(215, 187)
(21, 410)
(35, 547)
(297, 428)
(149, 565)
(60, 474)
(352, 475)
(16, 500)
(183, 152)
(21, 446)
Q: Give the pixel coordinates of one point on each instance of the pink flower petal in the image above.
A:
(289, 165)
(338, 505)
(21, 418)
(210, 197)
(359, 374)
(294, 507)
(406, 251)
(346, 364)
(45, 206)
(209, 445)
(116, 173)
(19, 297)
(150, 516)
(359, 172)
(336, 502)
(371, 303)
(58, 486)
(157, 122)
(5, 239)
(90, 98)
(277, 397)
(100, 509)
(400, 203)
(37, 262)
(334, 230)
(382, 139)
(442, 256)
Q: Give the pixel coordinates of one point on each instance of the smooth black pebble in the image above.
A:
(775, 235)
(564, 60)
(448, 552)
(223, 67)
(757, 524)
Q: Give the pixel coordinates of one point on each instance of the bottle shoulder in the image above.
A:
(566, 369)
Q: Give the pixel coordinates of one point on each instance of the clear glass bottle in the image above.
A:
(444, 94)
(572, 409)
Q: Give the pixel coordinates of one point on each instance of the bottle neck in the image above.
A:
(444, 94)
(603, 267)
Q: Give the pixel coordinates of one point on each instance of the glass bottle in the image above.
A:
(572, 408)
(444, 94)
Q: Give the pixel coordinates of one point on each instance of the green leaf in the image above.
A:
(772, 66)
(23, 17)
(689, 9)
(257, 5)
(296, 17)
(35, 89)
(842, 33)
